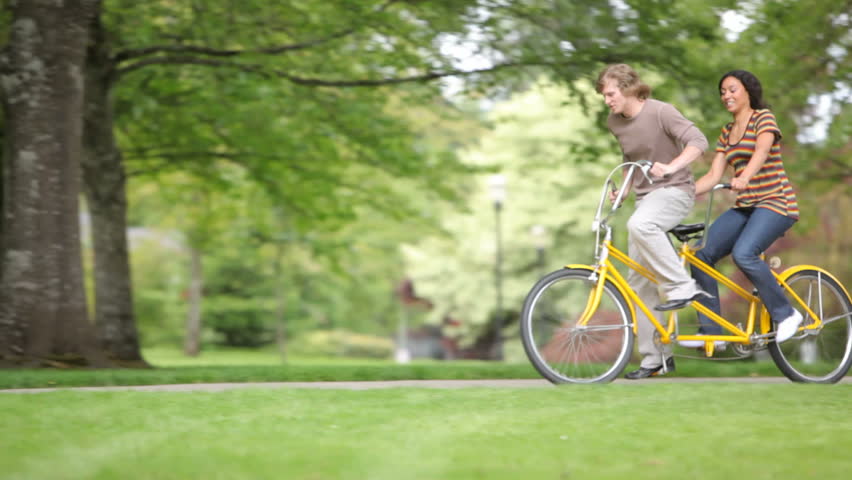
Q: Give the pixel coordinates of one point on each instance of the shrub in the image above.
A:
(341, 343)
(239, 322)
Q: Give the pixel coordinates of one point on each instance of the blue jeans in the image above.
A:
(744, 234)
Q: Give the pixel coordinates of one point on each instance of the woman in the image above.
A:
(765, 208)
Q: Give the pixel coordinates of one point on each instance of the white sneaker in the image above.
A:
(720, 345)
(788, 327)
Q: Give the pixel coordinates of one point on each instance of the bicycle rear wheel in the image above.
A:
(561, 350)
(821, 355)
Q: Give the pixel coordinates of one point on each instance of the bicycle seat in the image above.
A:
(684, 232)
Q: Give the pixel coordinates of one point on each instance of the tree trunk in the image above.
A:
(280, 305)
(192, 342)
(105, 188)
(2, 168)
(43, 313)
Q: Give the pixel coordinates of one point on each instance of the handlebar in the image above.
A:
(609, 185)
(643, 165)
(600, 222)
(720, 186)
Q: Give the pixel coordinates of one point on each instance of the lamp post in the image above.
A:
(537, 233)
(402, 354)
(497, 184)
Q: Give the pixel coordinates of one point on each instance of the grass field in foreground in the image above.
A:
(635, 431)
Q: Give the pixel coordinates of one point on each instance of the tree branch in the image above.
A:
(263, 71)
(216, 52)
(240, 159)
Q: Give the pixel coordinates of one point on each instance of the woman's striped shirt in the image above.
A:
(770, 187)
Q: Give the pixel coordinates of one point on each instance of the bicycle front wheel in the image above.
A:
(824, 354)
(565, 352)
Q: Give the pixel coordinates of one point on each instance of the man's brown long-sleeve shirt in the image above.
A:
(659, 133)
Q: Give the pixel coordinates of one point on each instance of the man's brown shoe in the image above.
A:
(652, 372)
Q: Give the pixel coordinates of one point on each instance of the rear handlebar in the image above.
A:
(720, 186)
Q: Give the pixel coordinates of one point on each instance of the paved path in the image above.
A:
(519, 383)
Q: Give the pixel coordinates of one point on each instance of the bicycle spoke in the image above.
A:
(822, 354)
(565, 352)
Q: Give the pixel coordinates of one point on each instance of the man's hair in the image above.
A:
(626, 79)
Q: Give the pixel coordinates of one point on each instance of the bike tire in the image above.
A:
(821, 355)
(564, 353)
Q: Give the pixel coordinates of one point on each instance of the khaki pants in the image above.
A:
(649, 245)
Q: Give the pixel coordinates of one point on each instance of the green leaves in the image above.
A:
(324, 120)
(547, 186)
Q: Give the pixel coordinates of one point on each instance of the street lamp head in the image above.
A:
(497, 185)
(537, 233)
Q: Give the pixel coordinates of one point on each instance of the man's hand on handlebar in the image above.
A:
(662, 170)
(613, 195)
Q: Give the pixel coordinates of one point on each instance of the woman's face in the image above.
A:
(734, 95)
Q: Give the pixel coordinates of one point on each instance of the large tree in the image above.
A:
(324, 68)
(261, 49)
(104, 184)
(43, 312)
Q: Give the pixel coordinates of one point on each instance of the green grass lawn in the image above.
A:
(625, 431)
(225, 366)
(635, 431)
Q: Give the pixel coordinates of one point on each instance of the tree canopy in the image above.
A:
(318, 137)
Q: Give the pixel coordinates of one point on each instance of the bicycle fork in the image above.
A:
(603, 270)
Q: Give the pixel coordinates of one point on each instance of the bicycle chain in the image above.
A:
(704, 357)
(716, 359)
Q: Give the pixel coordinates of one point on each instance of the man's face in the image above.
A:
(613, 97)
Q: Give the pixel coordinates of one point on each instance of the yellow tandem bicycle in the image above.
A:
(578, 324)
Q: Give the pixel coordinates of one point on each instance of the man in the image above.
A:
(652, 130)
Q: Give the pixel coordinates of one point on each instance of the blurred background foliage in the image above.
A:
(334, 208)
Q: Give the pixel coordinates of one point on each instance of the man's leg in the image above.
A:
(653, 354)
(657, 213)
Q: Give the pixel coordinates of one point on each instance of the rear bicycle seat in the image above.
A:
(687, 232)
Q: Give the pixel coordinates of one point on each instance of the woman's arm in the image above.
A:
(711, 178)
(758, 158)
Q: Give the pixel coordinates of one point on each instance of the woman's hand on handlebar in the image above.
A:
(739, 184)
(613, 195)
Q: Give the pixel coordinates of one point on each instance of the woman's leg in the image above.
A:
(719, 243)
(762, 229)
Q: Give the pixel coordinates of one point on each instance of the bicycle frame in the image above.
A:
(604, 270)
